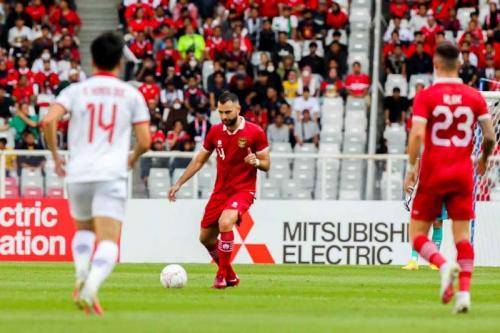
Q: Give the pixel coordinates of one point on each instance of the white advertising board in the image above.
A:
(294, 232)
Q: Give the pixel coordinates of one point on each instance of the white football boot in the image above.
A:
(449, 272)
(462, 302)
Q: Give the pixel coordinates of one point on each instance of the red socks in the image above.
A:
(225, 250)
(465, 259)
(428, 250)
(214, 252)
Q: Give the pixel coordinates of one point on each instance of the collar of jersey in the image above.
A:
(448, 80)
(104, 73)
(242, 126)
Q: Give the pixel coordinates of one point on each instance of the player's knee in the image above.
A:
(206, 241)
(227, 220)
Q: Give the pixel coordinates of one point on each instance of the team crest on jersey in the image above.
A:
(242, 142)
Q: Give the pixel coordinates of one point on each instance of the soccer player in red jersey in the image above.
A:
(444, 118)
(241, 148)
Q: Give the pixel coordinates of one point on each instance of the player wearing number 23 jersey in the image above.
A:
(450, 110)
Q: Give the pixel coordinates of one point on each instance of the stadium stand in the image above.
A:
(413, 31)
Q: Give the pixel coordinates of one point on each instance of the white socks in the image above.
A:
(83, 248)
(103, 263)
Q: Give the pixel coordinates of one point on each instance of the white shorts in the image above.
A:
(91, 199)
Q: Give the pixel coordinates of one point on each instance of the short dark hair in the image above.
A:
(3, 140)
(107, 50)
(228, 96)
(449, 55)
(396, 90)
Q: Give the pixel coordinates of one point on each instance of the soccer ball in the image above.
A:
(173, 276)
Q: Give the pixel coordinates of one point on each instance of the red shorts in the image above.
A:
(428, 204)
(218, 202)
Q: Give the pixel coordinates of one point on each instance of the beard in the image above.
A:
(230, 122)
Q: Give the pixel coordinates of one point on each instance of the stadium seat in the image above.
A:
(332, 134)
(353, 147)
(396, 80)
(206, 177)
(359, 41)
(424, 79)
(359, 14)
(396, 183)
(31, 182)
(205, 193)
(305, 177)
(306, 148)
(54, 186)
(354, 103)
(362, 4)
(159, 182)
(395, 135)
(270, 194)
(281, 147)
(349, 195)
(332, 118)
(301, 194)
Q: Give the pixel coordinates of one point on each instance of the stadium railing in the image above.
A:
(389, 169)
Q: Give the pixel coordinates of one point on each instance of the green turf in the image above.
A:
(36, 298)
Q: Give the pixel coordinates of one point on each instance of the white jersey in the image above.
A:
(102, 111)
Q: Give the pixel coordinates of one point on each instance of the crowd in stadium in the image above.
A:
(272, 54)
(39, 56)
(415, 29)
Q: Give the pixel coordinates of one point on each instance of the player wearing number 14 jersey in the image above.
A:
(103, 111)
(241, 149)
(444, 118)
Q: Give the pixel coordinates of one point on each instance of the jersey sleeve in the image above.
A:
(261, 143)
(482, 112)
(420, 108)
(140, 112)
(65, 97)
(208, 143)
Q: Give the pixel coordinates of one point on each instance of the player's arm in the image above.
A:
(143, 143)
(488, 143)
(417, 135)
(194, 166)
(56, 112)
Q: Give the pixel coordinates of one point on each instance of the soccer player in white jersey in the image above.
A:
(103, 111)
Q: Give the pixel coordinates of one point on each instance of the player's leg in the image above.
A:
(104, 260)
(427, 205)
(82, 245)
(209, 239)
(108, 209)
(460, 209)
(437, 233)
(227, 220)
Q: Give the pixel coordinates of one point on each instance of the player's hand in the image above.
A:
(482, 165)
(251, 158)
(171, 193)
(410, 180)
(59, 166)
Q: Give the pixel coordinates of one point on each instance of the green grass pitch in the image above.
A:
(35, 297)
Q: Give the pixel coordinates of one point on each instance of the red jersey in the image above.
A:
(233, 174)
(450, 109)
(150, 91)
(357, 83)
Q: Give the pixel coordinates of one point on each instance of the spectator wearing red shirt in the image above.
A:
(412, 48)
(267, 8)
(132, 9)
(336, 18)
(23, 91)
(451, 22)
(237, 6)
(215, 45)
(297, 5)
(399, 8)
(140, 46)
(149, 89)
(332, 86)
(357, 83)
(257, 115)
(429, 31)
(140, 23)
(67, 45)
(166, 57)
(441, 9)
(159, 21)
(194, 96)
(64, 17)
(47, 77)
(37, 11)
(177, 136)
